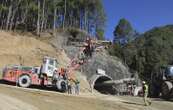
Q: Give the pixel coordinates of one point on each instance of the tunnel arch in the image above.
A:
(97, 82)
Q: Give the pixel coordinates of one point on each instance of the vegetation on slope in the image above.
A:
(149, 52)
(124, 32)
(41, 15)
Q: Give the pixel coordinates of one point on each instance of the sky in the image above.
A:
(142, 14)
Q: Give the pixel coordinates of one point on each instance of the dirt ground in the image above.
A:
(16, 98)
(19, 98)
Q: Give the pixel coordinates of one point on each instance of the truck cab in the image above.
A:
(49, 66)
(50, 71)
(169, 73)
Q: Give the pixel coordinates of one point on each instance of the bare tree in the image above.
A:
(15, 8)
(43, 16)
(38, 19)
(65, 11)
(54, 24)
(9, 15)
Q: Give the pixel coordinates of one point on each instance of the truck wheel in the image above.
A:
(61, 86)
(166, 89)
(24, 81)
(154, 90)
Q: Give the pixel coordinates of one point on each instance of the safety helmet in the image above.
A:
(143, 82)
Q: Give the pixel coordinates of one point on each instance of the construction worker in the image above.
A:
(147, 101)
(77, 86)
(69, 86)
(88, 47)
(63, 73)
(73, 86)
(81, 56)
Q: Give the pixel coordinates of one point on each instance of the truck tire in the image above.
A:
(24, 81)
(61, 86)
(166, 89)
(154, 90)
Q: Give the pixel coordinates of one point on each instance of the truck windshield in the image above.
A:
(51, 61)
(25, 68)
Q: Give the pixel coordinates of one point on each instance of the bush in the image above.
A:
(76, 35)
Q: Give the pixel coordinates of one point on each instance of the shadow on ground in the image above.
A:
(133, 103)
(46, 88)
(161, 99)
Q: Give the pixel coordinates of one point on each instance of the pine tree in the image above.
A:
(40, 15)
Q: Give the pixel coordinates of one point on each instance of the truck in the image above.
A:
(46, 75)
(162, 83)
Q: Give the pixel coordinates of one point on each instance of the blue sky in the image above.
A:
(142, 14)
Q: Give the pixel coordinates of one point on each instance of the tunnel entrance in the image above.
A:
(104, 85)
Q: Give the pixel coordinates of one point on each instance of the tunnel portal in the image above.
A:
(103, 84)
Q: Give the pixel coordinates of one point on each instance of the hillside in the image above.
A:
(150, 51)
(22, 49)
(18, 49)
(112, 65)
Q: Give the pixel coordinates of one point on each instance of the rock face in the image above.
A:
(112, 65)
(101, 60)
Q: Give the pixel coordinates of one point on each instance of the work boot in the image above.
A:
(146, 104)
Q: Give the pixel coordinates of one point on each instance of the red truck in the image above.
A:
(46, 75)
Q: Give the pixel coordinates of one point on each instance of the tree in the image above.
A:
(148, 52)
(124, 32)
(40, 15)
(65, 11)
(38, 19)
(43, 16)
(55, 18)
(123, 28)
(100, 34)
(9, 14)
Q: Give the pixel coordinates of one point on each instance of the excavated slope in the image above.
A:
(18, 49)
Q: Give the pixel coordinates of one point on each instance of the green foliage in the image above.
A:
(115, 49)
(149, 52)
(51, 14)
(100, 34)
(76, 35)
(3, 8)
(123, 28)
(73, 32)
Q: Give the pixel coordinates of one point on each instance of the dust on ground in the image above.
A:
(35, 99)
(42, 100)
